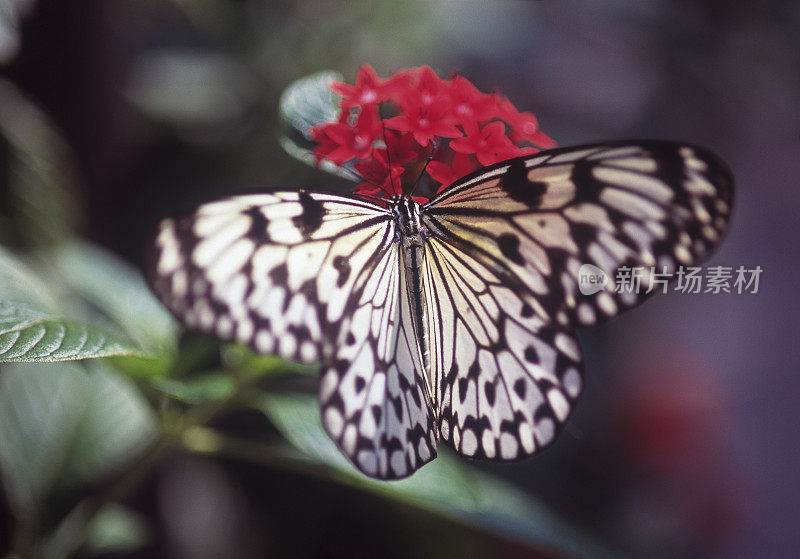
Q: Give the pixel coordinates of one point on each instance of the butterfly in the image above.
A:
(451, 320)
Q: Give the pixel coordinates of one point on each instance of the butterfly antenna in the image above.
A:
(422, 172)
(388, 156)
(371, 198)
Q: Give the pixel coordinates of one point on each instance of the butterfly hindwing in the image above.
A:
(504, 380)
(647, 204)
(375, 399)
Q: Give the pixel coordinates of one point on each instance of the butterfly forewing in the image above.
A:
(536, 220)
(274, 271)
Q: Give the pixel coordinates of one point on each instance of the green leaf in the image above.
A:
(211, 387)
(118, 290)
(306, 103)
(29, 335)
(446, 486)
(117, 423)
(33, 329)
(62, 425)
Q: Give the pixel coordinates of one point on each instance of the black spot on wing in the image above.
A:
(583, 233)
(520, 388)
(377, 413)
(360, 384)
(450, 377)
(527, 310)
(474, 371)
(509, 246)
(581, 174)
(397, 403)
(279, 275)
(488, 389)
(513, 181)
(258, 225)
(516, 184)
(343, 267)
(531, 356)
(463, 386)
(311, 217)
(415, 396)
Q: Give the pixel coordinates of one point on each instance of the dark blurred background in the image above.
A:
(686, 441)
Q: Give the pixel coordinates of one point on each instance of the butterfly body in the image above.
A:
(453, 320)
(411, 235)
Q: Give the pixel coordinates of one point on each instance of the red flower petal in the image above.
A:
(470, 128)
(379, 177)
(461, 166)
(469, 104)
(369, 89)
(425, 123)
(401, 147)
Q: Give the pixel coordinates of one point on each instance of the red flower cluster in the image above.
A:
(462, 128)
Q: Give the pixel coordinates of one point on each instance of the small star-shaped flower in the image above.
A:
(369, 88)
(489, 144)
(425, 123)
(339, 142)
(445, 174)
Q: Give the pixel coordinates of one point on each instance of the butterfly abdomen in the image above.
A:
(412, 236)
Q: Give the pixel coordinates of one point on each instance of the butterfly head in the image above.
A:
(408, 216)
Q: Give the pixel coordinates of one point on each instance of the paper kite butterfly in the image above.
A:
(452, 320)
